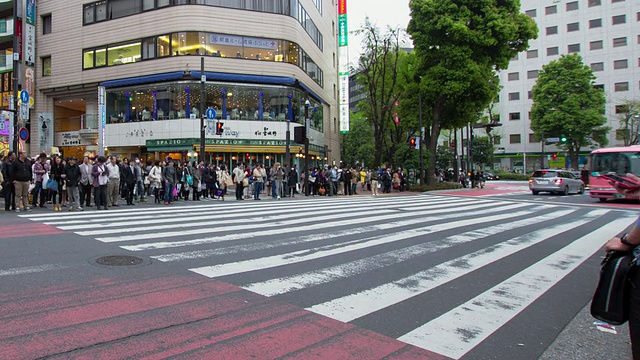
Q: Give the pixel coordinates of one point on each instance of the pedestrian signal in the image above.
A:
(555, 156)
(299, 134)
(412, 143)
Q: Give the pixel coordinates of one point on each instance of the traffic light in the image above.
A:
(412, 143)
(299, 134)
(219, 128)
(563, 140)
(554, 156)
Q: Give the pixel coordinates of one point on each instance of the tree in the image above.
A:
(461, 44)
(357, 145)
(629, 122)
(482, 150)
(378, 72)
(567, 105)
(444, 157)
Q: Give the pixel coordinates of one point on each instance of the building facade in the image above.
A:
(606, 33)
(263, 60)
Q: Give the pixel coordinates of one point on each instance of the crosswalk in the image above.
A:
(362, 260)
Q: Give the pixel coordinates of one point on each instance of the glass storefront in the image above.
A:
(203, 44)
(178, 100)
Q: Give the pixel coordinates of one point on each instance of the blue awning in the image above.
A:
(212, 76)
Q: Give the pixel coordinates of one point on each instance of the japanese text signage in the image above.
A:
(343, 66)
(31, 12)
(30, 45)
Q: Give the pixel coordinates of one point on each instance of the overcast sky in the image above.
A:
(394, 13)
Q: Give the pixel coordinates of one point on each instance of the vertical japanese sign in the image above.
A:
(102, 117)
(343, 66)
(30, 33)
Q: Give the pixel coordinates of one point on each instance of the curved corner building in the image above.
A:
(262, 60)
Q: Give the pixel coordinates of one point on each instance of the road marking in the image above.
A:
(356, 305)
(32, 269)
(287, 284)
(458, 331)
(314, 225)
(334, 249)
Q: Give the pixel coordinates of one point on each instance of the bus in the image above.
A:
(616, 160)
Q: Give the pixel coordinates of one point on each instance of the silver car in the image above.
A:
(555, 181)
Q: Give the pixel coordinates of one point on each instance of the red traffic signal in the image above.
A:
(412, 143)
(555, 156)
(219, 128)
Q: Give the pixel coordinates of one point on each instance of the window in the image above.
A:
(148, 5)
(531, 13)
(514, 116)
(149, 48)
(599, 66)
(87, 62)
(616, 1)
(552, 30)
(621, 41)
(532, 74)
(89, 13)
(46, 66)
(552, 51)
(549, 10)
(621, 64)
(101, 11)
(532, 54)
(514, 96)
(163, 47)
(121, 8)
(573, 27)
(621, 109)
(497, 139)
(573, 48)
(593, 3)
(514, 76)
(599, 86)
(46, 24)
(621, 86)
(514, 58)
(571, 6)
(124, 54)
(514, 139)
(529, 95)
(638, 16)
(596, 45)
(619, 19)
(595, 23)
(101, 57)
(533, 139)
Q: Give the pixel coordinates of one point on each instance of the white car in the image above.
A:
(555, 181)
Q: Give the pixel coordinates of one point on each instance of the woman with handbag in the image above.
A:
(155, 181)
(629, 243)
(55, 183)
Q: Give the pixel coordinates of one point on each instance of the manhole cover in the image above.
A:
(119, 260)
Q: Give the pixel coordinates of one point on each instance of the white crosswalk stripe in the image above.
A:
(298, 249)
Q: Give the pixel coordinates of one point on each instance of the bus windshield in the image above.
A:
(616, 162)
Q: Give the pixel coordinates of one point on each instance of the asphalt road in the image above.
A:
(460, 275)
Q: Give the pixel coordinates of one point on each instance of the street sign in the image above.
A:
(30, 45)
(24, 96)
(553, 140)
(24, 134)
(211, 113)
(24, 111)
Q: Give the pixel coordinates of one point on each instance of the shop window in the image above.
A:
(46, 66)
(87, 59)
(259, 48)
(163, 46)
(149, 48)
(124, 54)
(223, 45)
(101, 57)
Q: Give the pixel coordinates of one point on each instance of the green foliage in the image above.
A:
(444, 157)
(460, 44)
(511, 176)
(482, 150)
(566, 105)
(629, 122)
(357, 145)
(434, 187)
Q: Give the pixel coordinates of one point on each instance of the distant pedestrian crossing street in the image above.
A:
(366, 260)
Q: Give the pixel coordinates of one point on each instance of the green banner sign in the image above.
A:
(343, 31)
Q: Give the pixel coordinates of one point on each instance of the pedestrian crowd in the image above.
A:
(68, 182)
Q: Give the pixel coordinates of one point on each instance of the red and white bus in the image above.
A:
(616, 160)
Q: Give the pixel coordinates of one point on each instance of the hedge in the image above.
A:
(436, 186)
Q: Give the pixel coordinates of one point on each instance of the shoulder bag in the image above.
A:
(610, 302)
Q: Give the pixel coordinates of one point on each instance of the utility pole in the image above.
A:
(421, 141)
(203, 78)
(307, 124)
(16, 65)
(543, 140)
(287, 155)
(456, 169)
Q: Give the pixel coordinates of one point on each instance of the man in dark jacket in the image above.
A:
(21, 171)
(128, 177)
(169, 176)
(72, 175)
(292, 180)
(9, 199)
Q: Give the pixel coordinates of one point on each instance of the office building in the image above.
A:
(606, 33)
(263, 60)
